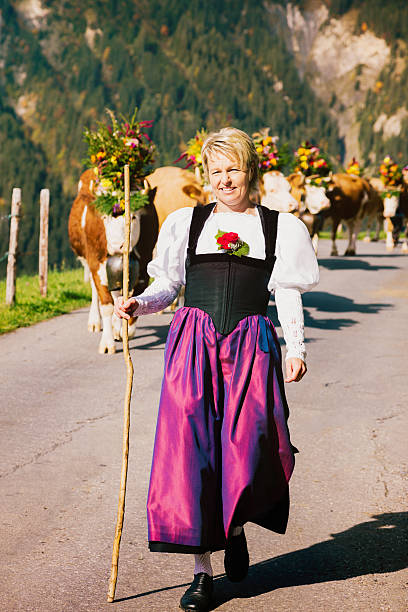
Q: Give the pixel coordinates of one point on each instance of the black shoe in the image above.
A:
(236, 559)
(199, 595)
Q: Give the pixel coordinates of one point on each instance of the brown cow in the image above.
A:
(352, 199)
(98, 241)
(176, 188)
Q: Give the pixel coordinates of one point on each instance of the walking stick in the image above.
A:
(126, 416)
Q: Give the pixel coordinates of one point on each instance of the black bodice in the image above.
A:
(225, 286)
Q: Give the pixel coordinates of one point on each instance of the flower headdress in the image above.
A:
(354, 167)
(270, 156)
(312, 162)
(192, 155)
(391, 177)
(110, 147)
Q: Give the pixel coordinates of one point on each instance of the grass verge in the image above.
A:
(66, 292)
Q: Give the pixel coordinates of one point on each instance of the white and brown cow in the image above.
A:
(98, 239)
(390, 204)
(398, 221)
(352, 199)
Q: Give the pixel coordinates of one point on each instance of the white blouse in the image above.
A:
(295, 269)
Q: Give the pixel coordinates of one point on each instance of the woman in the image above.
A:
(222, 453)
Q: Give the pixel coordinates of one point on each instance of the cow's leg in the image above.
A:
(404, 247)
(335, 223)
(94, 318)
(378, 224)
(353, 228)
(87, 274)
(389, 242)
(107, 342)
(367, 237)
(315, 242)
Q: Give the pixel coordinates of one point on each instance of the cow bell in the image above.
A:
(114, 271)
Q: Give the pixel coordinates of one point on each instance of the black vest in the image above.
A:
(228, 287)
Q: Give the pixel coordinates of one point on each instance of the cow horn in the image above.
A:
(146, 187)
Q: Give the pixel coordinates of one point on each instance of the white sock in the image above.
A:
(203, 564)
(236, 531)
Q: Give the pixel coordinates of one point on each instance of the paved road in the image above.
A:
(61, 428)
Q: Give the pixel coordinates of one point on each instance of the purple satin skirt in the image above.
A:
(222, 453)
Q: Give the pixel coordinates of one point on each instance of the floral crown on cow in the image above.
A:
(110, 147)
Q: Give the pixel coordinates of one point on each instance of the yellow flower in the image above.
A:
(259, 149)
(318, 180)
(307, 152)
(113, 159)
(301, 151)
(267, 141)
(303, 158)
(273, 161)
(304, 165)
(118, 174)
(106, 183)
(387, 159)
(100, 154)
(93, 158)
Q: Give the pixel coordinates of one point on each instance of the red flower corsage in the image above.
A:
(231, 243)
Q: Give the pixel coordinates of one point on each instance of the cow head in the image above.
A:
(196, 193)
(115, 232)
(275, 193)
(115, 227)
(390, 206)
(315, 199)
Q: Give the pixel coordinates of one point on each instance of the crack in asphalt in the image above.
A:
(55, 445)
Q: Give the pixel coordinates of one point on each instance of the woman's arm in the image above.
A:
(295, 271)
(167, 268)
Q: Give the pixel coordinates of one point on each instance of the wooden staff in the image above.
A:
(126, 416)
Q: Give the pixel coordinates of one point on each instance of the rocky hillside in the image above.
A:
(332, 71)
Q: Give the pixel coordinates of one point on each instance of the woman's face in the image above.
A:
(229, 181)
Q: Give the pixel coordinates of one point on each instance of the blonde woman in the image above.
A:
(222, 453)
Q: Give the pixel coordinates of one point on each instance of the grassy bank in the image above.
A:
(66, 291)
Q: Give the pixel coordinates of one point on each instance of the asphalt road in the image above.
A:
(346, 547)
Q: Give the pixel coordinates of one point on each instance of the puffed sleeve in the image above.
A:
(168, 266)
(295, 271)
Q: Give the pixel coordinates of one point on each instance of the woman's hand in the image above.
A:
(295, 369)
(125, 309)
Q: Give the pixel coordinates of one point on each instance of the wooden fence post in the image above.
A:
(13, 244)
(43, 244)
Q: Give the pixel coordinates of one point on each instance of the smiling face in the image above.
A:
(229, 182)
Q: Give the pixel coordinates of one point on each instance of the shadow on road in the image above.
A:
(352, 264)
(147, 338)
(374, 547)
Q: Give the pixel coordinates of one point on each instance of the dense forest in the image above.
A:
(184, 64)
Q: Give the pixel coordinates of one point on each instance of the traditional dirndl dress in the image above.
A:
(222, 453)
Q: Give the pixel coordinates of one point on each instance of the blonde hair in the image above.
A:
(236, 145)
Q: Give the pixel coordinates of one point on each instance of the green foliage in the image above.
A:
(66, 292)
